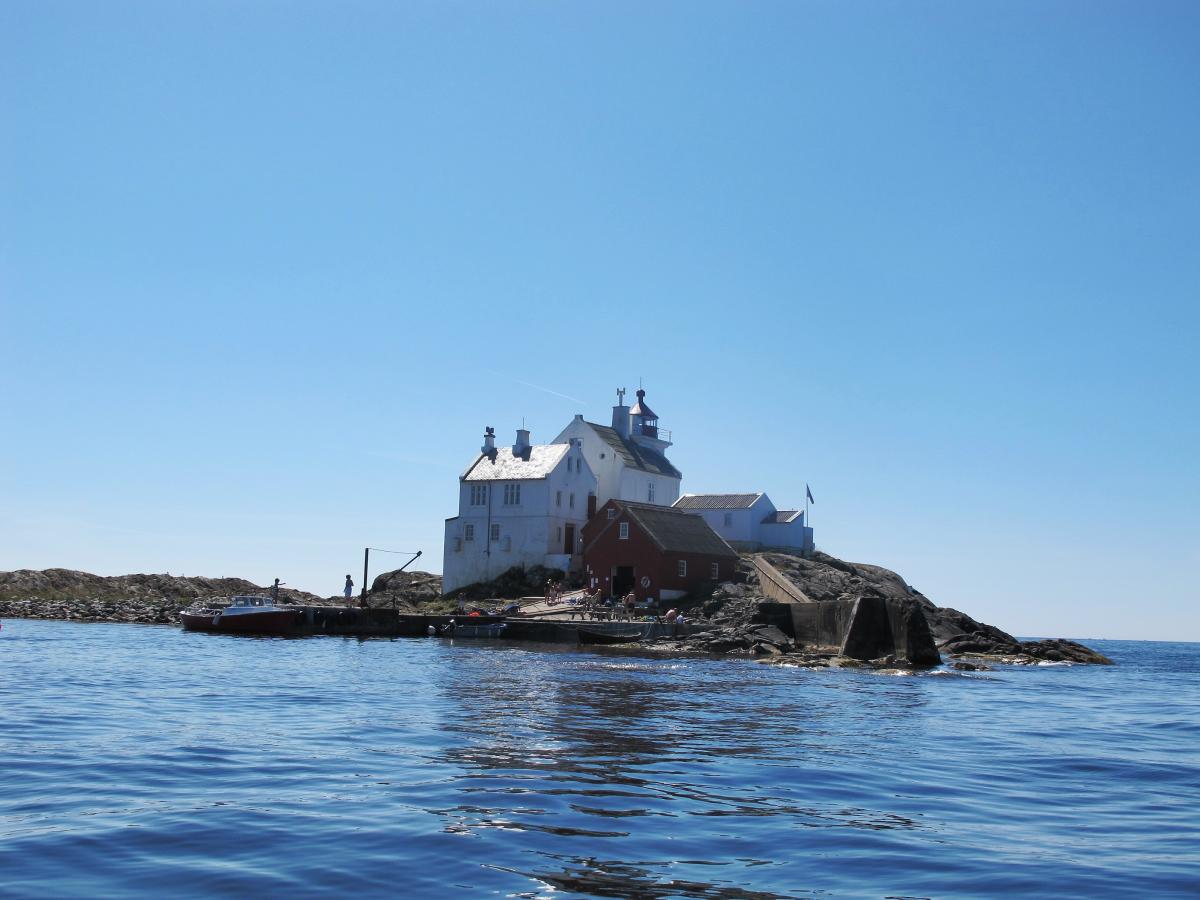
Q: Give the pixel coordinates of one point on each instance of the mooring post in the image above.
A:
(366, 559)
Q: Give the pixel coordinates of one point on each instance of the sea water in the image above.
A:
(141, 761)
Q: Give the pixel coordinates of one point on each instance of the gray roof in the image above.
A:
(506, 467)
(716, 501)
(675, 531)
(636, 457)
(781, 516)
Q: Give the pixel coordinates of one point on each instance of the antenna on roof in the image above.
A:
(620, 396)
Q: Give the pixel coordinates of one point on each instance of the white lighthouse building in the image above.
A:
(526, 505)
(628, 456)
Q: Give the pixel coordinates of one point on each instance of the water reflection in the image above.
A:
(608, 748)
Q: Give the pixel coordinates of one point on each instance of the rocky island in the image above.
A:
(814, 610)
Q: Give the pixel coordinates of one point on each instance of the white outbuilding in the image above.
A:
(523, 505)
(750, 521)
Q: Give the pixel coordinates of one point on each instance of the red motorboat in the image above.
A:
(243, 615)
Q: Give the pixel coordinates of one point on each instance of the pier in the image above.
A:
(365, 622)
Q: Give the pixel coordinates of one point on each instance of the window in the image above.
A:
(496, 531)
(716, 571)
(682, 568)
(558, 498)
(650, 493)
(572, 504)
(558, 533)
(612, 513)
(479, 495)
(512, 495)
(623, 531)
(728, 519)
(469, 532)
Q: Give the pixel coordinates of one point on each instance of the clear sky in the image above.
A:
(268, 268)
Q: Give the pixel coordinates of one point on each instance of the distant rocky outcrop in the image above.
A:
(866, 606)
(408, 589)
(149, 599)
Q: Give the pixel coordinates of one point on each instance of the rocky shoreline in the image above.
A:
(740, 617)
(739, 613)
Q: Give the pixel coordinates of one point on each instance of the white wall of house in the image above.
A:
(740, 527)
(636, 485)
(615, 480)
(487, 538)
(744, 529)
(601, 458)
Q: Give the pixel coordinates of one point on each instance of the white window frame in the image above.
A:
(612, 513)
(716, 571)
(512, 493)
(650, 492)
(572, 499)
(479, 495)
(728, 520)
(622, 531)
(683, 568)
(558, 498)
(468, 532)
(495, 531)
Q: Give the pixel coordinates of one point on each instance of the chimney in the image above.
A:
(521, 447)
(489, 441)
(620, 419)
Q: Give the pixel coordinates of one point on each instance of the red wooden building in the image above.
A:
(658, 552)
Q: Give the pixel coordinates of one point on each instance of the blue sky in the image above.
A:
(267, 269)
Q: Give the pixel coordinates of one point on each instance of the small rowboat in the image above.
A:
(587, 636)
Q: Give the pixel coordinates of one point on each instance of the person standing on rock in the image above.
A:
(349, 589)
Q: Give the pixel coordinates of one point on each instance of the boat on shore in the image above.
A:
(243, 615)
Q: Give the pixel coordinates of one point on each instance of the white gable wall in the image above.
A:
(529, 531)
(635, 485)
(616, 480)
(601, 458)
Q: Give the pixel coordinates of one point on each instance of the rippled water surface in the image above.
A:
(138, 761)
